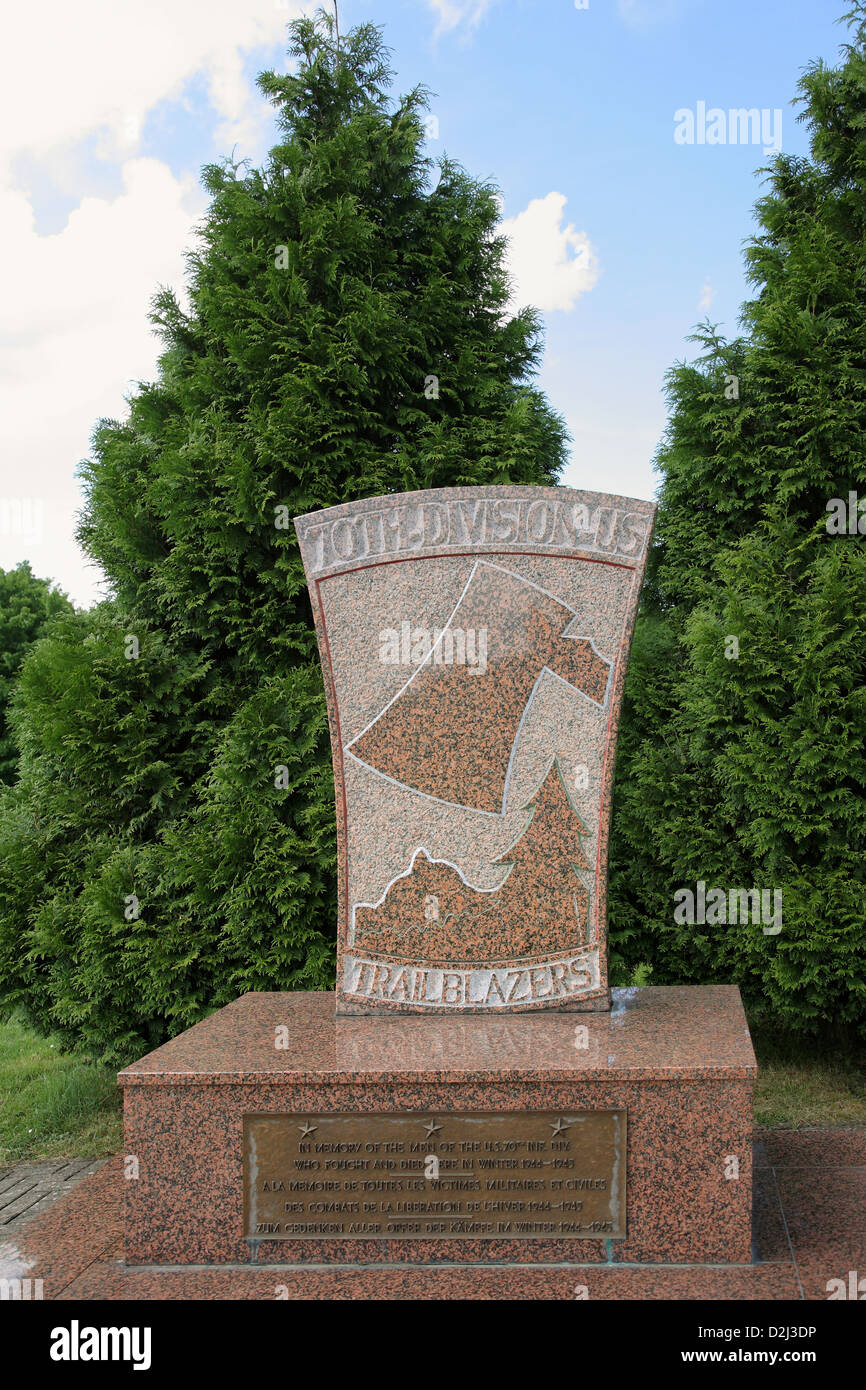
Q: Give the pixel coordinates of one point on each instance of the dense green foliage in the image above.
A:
(27, 605)
(153, 864)
(751, 771)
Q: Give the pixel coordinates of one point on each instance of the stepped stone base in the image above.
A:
(675, 1064)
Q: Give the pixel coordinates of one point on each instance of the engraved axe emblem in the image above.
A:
(450, 732)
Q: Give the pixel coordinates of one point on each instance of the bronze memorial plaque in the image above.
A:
(436, 1176)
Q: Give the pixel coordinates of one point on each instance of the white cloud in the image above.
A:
(708, 294)
(75, 334)
(75, 337)
(551, 264)
(68, 70)
(452, 13)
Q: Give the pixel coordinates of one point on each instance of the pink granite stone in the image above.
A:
(474, 643)
(678, 1061)
(61, 1242)
(111, 1280)
(74, 1247)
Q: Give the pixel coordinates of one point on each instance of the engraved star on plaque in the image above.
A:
(431, 1127)
(306, 1128)
(560, 1127)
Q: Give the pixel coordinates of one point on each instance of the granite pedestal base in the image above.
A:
(677, 1060)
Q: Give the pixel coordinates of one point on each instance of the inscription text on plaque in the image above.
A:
(435, 1176)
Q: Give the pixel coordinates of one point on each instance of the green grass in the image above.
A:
(53, 1105)
(799, 1085)
(797, 1096)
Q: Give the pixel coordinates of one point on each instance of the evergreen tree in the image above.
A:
(742, 762)
(172, 841)
(27, 606)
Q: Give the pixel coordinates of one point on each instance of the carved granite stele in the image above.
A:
(474, 644)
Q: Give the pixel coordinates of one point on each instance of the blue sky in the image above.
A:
(623, 236)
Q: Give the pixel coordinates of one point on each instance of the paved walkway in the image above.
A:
(28, 1188)
(809, 1231)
